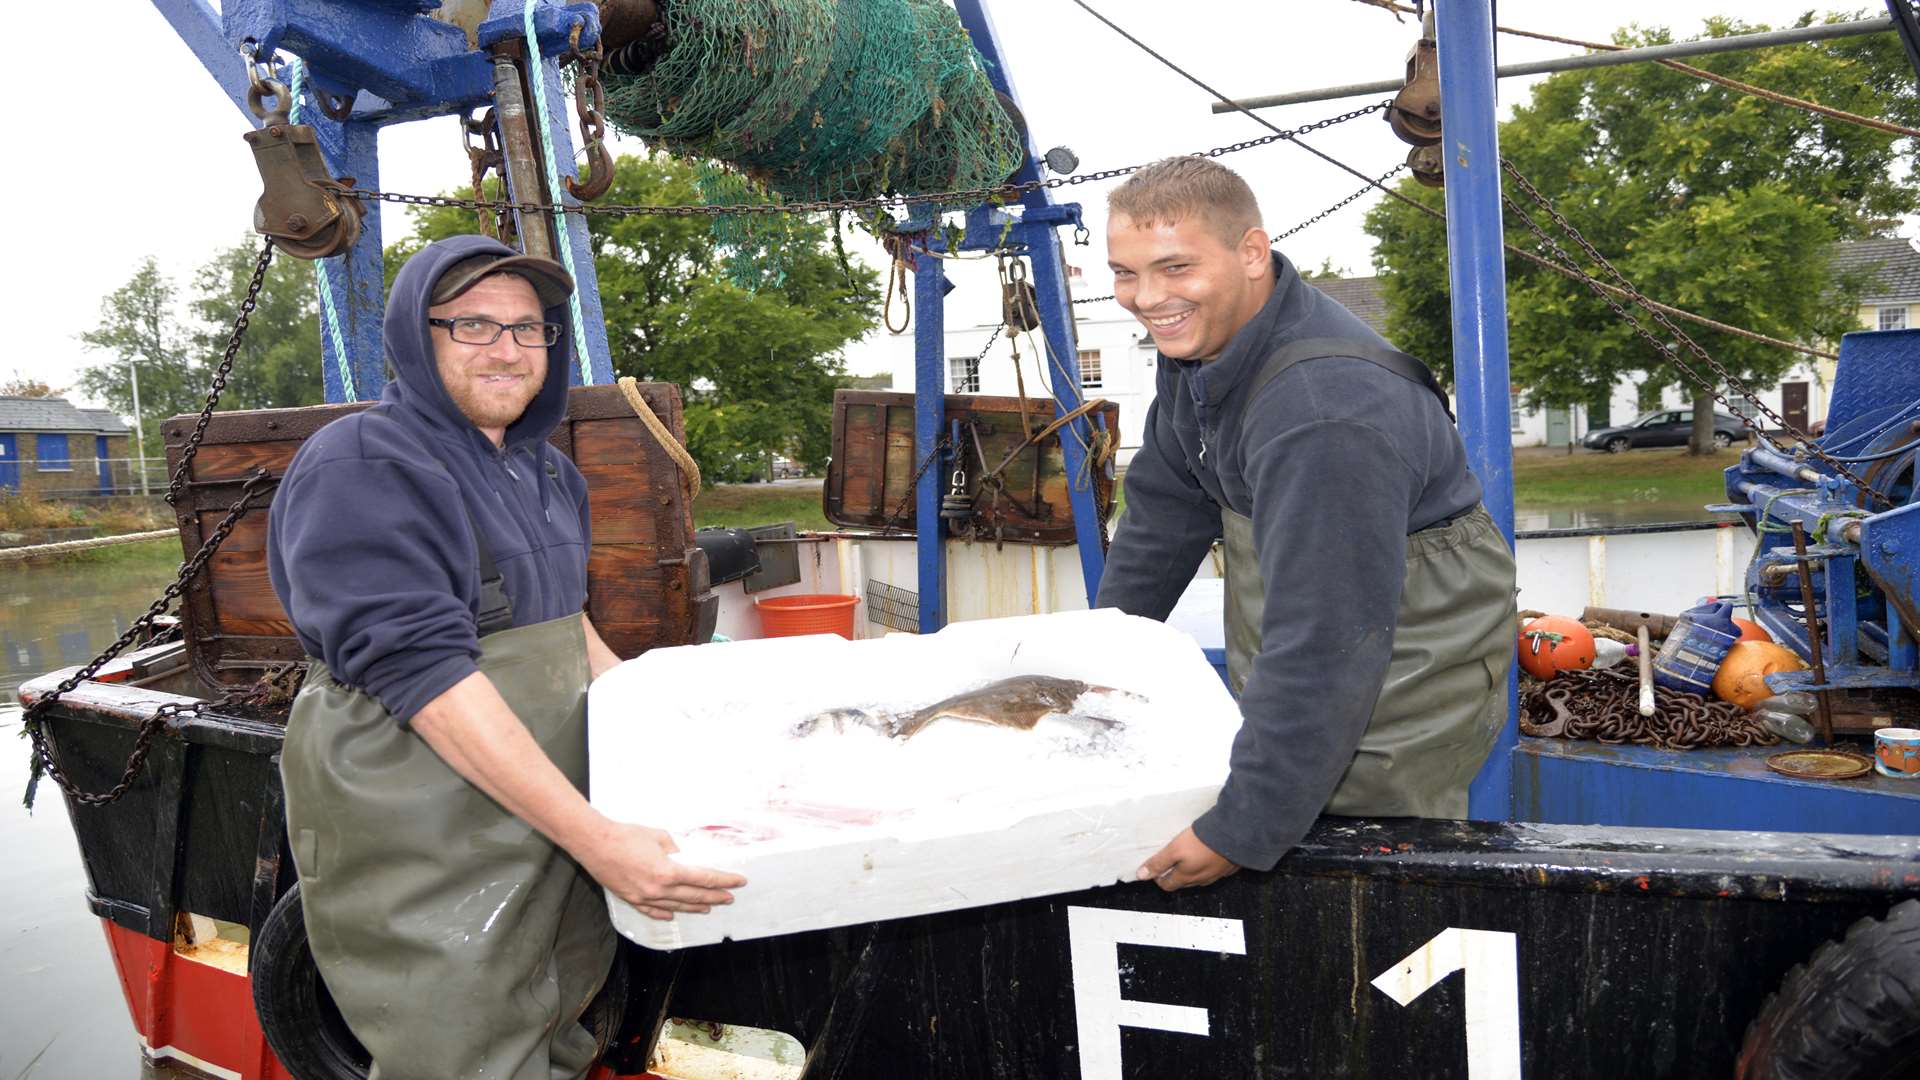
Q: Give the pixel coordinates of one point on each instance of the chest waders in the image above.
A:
(1445, 694)
(456, 940)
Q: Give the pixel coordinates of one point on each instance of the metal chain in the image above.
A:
(1806, 443)
(1370, 185)
(143, 742)
(34, 719)
(1603, 704)
(247, 305)
(913, 486)
(1003, 193)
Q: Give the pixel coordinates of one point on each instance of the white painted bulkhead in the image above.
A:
(1664, 571)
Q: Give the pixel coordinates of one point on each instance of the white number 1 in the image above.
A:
(1490, 960)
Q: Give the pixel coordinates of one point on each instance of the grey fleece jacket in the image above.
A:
(1337, 462)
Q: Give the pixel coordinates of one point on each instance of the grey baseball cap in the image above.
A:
(549, 279)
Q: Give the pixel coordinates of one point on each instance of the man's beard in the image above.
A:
(486, 412)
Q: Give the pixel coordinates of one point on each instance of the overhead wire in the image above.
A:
(1571, 274)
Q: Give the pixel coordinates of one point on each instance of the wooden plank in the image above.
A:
(233, 461)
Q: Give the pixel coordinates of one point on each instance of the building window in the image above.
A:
(1073, 272)
(51, 450)
(1090, 375)
(1893, 318)
(965, 373)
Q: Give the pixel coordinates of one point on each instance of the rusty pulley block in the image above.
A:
(302, 207)
(1428, 165)
(1415, 113)
(1019, 303)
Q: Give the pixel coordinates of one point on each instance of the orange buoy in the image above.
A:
(1551, 644)
(1742, 678)
(1752, 631)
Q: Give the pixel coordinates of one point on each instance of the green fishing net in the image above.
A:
(818, 99)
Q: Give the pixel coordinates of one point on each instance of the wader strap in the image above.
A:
(496, 607)
(1306, 349)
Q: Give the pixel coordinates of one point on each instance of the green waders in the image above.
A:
(456, 940)
(1445, 695)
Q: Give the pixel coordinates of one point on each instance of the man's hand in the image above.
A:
(630, 861)
(1185, 861)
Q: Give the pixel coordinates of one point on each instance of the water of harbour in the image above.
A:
(64, 1014)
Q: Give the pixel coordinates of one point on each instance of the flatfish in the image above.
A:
(1019, 702)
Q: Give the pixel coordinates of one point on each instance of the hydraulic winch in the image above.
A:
(1835, 574)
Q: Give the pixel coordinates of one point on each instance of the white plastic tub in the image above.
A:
(833, 829)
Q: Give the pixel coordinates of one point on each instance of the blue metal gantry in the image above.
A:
(397, 65)
(404, 66)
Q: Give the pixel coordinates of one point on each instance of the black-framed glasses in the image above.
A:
(473, 331)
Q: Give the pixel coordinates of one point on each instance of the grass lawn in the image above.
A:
(1545, 477)
(738, 505)
(1542, 478)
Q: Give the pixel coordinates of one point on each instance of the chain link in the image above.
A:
(913, 487)
(240, 323)
(171, 713)
(1633, 294)
(1003, 193)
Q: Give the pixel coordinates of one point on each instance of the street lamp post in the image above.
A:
(139, 427)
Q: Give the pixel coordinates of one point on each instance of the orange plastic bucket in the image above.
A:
(816, 613)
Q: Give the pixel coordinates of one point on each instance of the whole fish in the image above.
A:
(1019, 702)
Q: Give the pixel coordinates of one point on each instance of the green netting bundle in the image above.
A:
(821, 99)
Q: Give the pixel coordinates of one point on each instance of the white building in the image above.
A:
(1117, 358)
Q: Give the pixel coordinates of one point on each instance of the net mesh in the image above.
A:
(818, 99)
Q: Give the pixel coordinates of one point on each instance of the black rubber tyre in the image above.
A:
(1619, 444)
(1851, 1012)
(301, 1023)
(1722, 440)
(305, 1028)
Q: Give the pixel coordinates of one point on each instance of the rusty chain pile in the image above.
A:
(169, 714)
(1604, 705)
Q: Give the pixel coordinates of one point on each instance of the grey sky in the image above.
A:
(136, 152)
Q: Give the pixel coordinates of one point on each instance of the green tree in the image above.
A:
(141, 329)
(278, 365)
(25, 386)
(756, 368)
(1714, 201)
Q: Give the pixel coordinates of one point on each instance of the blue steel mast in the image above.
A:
(1470, 152)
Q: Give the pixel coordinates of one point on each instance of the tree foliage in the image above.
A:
(1708, 199)
(756, 369)
(24, 386)
(278, 365)
(141, 330)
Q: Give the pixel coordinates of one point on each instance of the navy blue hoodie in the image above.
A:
(370, 546)
(1337, 464)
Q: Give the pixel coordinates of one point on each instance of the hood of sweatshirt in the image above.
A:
(409, 346)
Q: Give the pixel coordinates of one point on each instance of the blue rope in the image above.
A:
(329, 318)
(538, 77)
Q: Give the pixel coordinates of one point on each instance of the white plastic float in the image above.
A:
(837, 828)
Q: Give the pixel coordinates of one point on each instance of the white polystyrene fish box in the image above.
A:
(848, 824)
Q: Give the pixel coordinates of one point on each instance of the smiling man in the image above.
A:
(1369, 597)
(431, 552)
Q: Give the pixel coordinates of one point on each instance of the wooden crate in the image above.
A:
(874, 464)
(646, 581)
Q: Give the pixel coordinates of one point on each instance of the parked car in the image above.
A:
(1662, 427)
